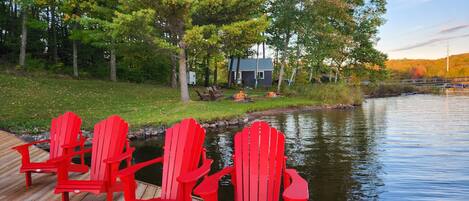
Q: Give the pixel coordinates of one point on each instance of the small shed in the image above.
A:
(247, 70)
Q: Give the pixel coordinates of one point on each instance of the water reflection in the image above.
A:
(386, 150)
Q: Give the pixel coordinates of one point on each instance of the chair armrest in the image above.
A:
(80, 142)
(197, 173)
(122, 157)
(209, 186)
(297, 190)
(134, 168)
(70, 155)
(19, 147)
(24, 150)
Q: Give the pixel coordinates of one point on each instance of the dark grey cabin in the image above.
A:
(247, 70)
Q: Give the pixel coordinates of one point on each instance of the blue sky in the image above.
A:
(423, 28)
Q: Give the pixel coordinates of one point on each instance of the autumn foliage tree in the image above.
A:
(417, 72)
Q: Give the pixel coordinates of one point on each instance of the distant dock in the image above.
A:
(456, 91)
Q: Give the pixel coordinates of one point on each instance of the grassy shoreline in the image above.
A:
(27, 103)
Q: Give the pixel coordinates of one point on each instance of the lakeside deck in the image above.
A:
(12, 186)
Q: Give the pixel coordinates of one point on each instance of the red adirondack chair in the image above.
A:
(109, 141)
(258, 166)
(183, 150)
(65, 135)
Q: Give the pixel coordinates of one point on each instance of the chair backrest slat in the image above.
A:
(182, 153)
(271, 162)
(259, 158)
(64, 130)
(254, 161)
(264, 164)
(109, 138)
(167, 153)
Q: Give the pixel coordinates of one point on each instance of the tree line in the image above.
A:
(160, 40)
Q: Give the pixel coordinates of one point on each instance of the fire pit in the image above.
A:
(241, 97)
(271, 94)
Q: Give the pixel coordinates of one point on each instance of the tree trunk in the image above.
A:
(263, 50)
(53, 28)
(292, 77)
(282, 63)
(182, 73)
(298, 54)
(10, 6)
(263, 47)
(24, 36)
(237, 71)
(229, 72)
(207, 71)
(336, 74)
(174, 65)
(215, 74)
(75, 58)
(113, 65)
(280, 75)
(75, 52)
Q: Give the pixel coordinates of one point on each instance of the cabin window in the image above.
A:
(260, 75)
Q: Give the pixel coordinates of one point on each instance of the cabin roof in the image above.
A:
(250, 64)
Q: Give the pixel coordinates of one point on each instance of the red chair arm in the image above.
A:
(127, 177)
(134, 168)
(70, 155)
(29, 144)
(118, 159)
(197, 173)
(297, 190)
(73, 145)
(24, 150)
(208, 189)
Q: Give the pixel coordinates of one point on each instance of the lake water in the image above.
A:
(401, 148)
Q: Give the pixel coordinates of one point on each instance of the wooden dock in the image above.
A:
(12, 186)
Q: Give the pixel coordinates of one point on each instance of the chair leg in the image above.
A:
(109, 196)
(65, 196)
(28, 179)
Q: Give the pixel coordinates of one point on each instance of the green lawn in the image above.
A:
(27, 104)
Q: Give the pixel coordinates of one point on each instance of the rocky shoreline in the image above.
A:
(152, 131)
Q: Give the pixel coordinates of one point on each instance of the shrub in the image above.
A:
(34, 64)
(328, 93)
(384, 90)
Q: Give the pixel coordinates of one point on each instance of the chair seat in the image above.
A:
(157, 199)
(47, 167)
(78, 186)
(38, 167)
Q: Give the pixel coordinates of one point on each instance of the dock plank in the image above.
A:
(12, 183)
